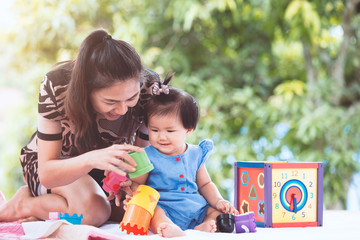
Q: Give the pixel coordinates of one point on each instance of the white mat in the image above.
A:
(339, 225)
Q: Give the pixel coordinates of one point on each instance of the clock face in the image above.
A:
(294, 196)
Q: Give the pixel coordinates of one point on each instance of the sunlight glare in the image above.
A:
(7, 19)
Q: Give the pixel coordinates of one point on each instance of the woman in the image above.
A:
(90, 116)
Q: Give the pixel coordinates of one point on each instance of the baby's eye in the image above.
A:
(170, 131)
(154, 130)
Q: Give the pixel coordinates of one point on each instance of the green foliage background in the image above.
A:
(251, 64)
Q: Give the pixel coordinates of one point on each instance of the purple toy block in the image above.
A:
(245, 223)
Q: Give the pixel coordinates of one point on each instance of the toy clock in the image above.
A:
(280, 194)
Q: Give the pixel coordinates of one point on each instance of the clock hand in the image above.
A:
(293, 203)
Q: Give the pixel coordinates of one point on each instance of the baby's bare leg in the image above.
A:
(209, 223)
(162, 225)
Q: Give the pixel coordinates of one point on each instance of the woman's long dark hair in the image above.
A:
(101, 61)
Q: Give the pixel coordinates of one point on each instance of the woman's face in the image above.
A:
(113, 102)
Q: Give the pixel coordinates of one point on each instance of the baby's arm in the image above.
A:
(210, 192)
(134, 185)
(140, 180)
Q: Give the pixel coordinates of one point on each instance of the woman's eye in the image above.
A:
(131, 99)
(109, 103)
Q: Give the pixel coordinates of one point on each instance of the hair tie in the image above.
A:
(107, 37)
(157, 90)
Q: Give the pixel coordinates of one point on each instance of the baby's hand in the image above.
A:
(226, 207)
(111, 196)
(127, 200)
(125, 187)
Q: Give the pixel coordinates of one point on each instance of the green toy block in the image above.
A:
(143, 164)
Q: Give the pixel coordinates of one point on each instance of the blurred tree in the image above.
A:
(275, 80)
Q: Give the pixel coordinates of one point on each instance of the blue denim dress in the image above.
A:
(174, 177)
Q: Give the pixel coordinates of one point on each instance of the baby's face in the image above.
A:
(167, 134)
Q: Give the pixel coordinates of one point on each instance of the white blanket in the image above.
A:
(339, 225)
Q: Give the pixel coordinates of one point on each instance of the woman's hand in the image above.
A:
(226, 207)
(115, 158)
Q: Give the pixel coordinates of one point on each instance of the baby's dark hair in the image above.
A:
(177, 101)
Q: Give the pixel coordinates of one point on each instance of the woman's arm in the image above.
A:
(141, 142)
(54, 172)
(142, 136)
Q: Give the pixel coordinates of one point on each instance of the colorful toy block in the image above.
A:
(111, 183)
(74, 219)
(280, 194)
(140, 210)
